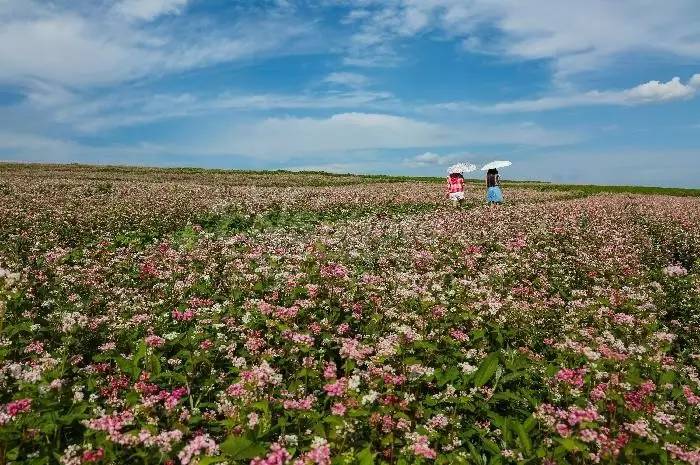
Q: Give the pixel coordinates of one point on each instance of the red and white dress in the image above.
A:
(455, 187)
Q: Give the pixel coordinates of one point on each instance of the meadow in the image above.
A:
(184, 316)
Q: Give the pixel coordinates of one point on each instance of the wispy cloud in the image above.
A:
(534, 30)
(343, 132)
(124, 110)
(148, 10)
(647, 93)
(32, 147)
(347, 79)
(426, 159)
(78, 47)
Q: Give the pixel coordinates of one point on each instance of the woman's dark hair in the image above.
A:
(492, 171)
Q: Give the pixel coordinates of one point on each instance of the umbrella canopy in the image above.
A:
(461, 168)
(496, 164)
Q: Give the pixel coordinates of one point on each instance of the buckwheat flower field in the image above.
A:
(205, 317)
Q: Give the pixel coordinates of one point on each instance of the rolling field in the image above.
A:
(155, 316)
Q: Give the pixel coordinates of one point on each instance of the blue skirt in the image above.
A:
(494, 194)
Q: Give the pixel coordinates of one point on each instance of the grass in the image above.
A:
(85, 170)
(592, 189)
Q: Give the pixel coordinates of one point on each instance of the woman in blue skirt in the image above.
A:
(493, 187)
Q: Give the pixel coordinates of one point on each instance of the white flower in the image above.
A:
(467, 367)
(370, 397)
(354, 382)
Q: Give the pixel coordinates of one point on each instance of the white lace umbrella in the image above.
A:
(461, 168)
(496, 164)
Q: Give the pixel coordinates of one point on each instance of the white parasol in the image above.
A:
(496, 164)
(461, 168)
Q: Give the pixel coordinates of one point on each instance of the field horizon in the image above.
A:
(359, 177)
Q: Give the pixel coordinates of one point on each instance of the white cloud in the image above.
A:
(621, 166)
(647, 93)
(695, 81)
(347, 79)
(89, 46)
(35, 147)
(576, 36)
(655, 91)
(432, 159)
(344, 132)
(44, 95)
(149, 10)
(65, 48)
(123, 110)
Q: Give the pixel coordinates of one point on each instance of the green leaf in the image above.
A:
(210, 460)
(530, 423)
(262, 405)
(524, 438)
(476, 457)
(667, 377)
(365, 457)
(486, 370)
(491, 446)
(571, 444)
(240, 448)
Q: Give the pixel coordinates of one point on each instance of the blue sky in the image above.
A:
(595, 91)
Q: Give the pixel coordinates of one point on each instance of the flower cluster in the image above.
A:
(185, 318)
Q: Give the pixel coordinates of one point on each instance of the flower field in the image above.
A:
(166, 317)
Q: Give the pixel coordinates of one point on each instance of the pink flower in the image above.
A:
(315, 328)
(439, 421)
(35, 347)
(278, 455)
(172, 398)
(517, 243)
(111, 424)
(320, 454)
(573, 377)
(563, 429)
(635, 400)
(459, 335)
(199, 445)
(305, 403)
(312, 289)
(334, 270)
(402, 424)
(186, 315)
(679, 453)
(598, 392)
(236, 390)
(56, 384)
(421, 448)
(206, 344)
(16, 407)
(329, 370)
(353, 349)
(674, 271)
(690, 396)
(588, 435)
(578, 415)
(299, 338)
(93, 455)
(336, 389)
(338, 409)
(439, 311)
(154, 341)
